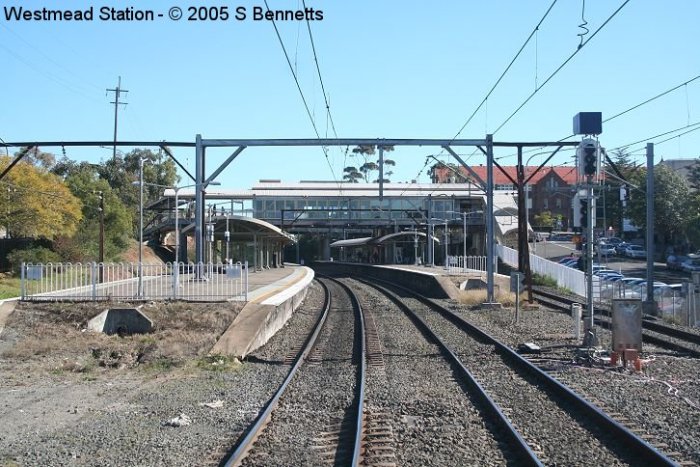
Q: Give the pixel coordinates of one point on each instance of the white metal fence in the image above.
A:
(131, 281)
(566, 277)
(464, 264)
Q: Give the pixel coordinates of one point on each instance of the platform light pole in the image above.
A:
(177, 189)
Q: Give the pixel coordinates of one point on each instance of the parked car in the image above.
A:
(614, 241)
(621, 247)
(636, 251)
(674, 262)
(606, 250)
(691, 265)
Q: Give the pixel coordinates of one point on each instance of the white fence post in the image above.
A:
(94, 280)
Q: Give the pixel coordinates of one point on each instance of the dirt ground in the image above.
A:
(50, 342)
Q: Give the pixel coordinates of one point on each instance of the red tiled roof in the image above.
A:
(567, 173)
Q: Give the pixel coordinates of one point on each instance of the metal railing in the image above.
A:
(566, 277)
(120, 281)
(464, 264)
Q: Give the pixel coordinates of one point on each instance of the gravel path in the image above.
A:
(429, 416)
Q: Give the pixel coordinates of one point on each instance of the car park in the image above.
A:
(674, 262)
(606, 250)
(691, 265)
(621, 247)
(635, 251)
(614, 241)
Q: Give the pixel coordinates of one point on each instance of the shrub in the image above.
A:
(38, 254)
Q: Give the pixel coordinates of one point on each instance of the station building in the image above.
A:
(403, 216)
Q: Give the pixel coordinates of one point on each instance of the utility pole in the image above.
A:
(117, 92)
(102, 236)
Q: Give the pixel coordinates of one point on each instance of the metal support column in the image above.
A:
(199, 207)
(430, 244)
(649, 305)
(590, 339)
(490, 232)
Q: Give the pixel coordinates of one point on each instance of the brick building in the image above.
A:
(551, 189)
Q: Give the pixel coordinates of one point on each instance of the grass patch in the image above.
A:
(478, 296)
(9, 287)
(218, 363)
(546, 281)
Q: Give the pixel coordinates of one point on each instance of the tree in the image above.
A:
(36, 203)
(613, 202)
(122, 172)
(84, 182)
(368, 166)
(544, 220)
(672, 205)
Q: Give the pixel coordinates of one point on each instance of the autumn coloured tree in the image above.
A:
(35, 203)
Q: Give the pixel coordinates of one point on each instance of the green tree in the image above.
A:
(35, 203)
(672, 205)
(84, 182)
(122, 171)
(544, 220)
(613, 201)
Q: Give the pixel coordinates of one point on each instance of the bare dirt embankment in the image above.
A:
(55, 375)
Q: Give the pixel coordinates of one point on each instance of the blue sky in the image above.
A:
(391, 69)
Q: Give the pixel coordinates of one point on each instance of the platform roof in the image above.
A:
(364, 241)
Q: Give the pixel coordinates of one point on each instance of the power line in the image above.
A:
(695, 126)
(498, 81)
(651, 99)
(634, 107)
(581, 46)
(329, 115)
(301, 93)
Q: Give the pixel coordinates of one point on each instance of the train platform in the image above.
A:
(273, 295)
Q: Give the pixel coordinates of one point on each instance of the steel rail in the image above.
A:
(361, 374)
(258, 426)
(633, 442)
(525, 454)
(562, 304)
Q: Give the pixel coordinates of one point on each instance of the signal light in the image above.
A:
(588, 157)
(583, 212)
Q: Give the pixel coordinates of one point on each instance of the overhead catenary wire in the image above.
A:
(326, 100)
(624, 112)
(500, 78)
(498, 81)
(301, 93)
(555, 72)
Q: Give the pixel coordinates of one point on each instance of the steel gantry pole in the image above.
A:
(490, 234)
(199, 207)
(649, 305)
(464, 241)
(140, 290)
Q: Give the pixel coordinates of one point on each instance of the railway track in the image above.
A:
(653, 332)
(321, 399)
(514, 386)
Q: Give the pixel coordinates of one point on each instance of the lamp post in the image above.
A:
(176, 269)
(445, 239)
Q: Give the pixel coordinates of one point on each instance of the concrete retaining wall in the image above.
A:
(428, 284)
(258, 322)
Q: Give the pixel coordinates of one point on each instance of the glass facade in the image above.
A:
(354, 208)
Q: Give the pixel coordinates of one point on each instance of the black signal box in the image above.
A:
(588, 123)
